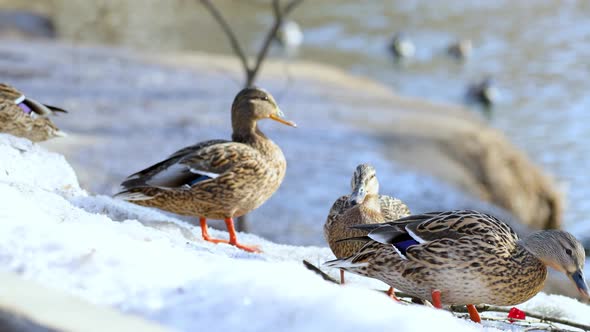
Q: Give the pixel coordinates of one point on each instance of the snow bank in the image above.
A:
(146, 263)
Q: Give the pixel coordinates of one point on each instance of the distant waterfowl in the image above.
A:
(363, 206)
(290, 34)
(484, 92)
(401, 46)
(460, 49)
(218, 179)
(24, 117)
(464, 258)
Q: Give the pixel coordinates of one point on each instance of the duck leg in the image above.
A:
(341, 277)
(205, 233)
(436, 301)
(473, 314)
(233, 238)
(391, 293)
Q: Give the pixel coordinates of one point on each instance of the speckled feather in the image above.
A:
(470, 257)
(248, 169)
(35, 126)
(374, 209)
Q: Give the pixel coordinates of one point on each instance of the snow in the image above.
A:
(147, 263)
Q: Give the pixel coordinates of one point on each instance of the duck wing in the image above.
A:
(392, 208)
(194, 164)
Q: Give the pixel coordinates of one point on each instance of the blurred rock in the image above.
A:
(478, 159)
(26, 25)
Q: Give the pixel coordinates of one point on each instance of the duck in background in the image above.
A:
(401, 46)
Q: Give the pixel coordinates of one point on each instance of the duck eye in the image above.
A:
(568, 251)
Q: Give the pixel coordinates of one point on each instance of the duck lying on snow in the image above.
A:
(464, 258)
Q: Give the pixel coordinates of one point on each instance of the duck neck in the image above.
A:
(246, 131)
(536, 245)
(371, 206)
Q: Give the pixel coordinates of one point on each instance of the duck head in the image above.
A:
(363, 183)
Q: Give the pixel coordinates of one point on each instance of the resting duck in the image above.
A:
(464, 258)
(401, 46)
(218, 179)
(363, 206)
(25, 117)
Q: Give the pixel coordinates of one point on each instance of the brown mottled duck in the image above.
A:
(25, 117)
(218, 179)
(464, 258)
(363, 206)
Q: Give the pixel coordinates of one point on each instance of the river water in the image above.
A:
(537, 51)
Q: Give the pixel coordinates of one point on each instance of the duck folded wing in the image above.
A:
(192, 165)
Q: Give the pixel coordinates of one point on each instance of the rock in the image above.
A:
(479, 160)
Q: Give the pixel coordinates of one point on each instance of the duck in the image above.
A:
(464, 257)
(25, 117)
(460, 49)
(363, 205)
(218, 179)
(401, 46)
(289, 34)
(484, 92)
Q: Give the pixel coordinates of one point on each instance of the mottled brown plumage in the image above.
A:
(218, 179)
(363, 206)
(25, 117)
(467, 256)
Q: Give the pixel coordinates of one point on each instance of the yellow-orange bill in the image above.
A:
(283, 121)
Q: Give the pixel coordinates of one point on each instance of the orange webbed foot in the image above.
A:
(253, 249)
(473, 314)
(391, 293)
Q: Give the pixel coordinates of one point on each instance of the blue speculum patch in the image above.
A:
(199, 179)
(403, 243)
(25, 108)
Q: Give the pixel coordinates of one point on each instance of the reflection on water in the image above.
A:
(537, 51)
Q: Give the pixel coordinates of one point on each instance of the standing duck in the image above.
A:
(25, 117)
(464, 258)
(218, 179)
(363, 206)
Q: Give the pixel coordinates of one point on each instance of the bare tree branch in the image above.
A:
(279, 16)
(235, 44)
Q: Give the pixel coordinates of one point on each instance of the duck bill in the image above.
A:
(279, 118)
(580, 281)
(357, 196)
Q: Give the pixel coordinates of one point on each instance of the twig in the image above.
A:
(485, 307)
(279, 15)
(233, 40)
(326, 277)
(317, 270)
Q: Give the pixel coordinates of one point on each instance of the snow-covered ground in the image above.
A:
(143, 262)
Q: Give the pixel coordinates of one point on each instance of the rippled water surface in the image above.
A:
(537, 51)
